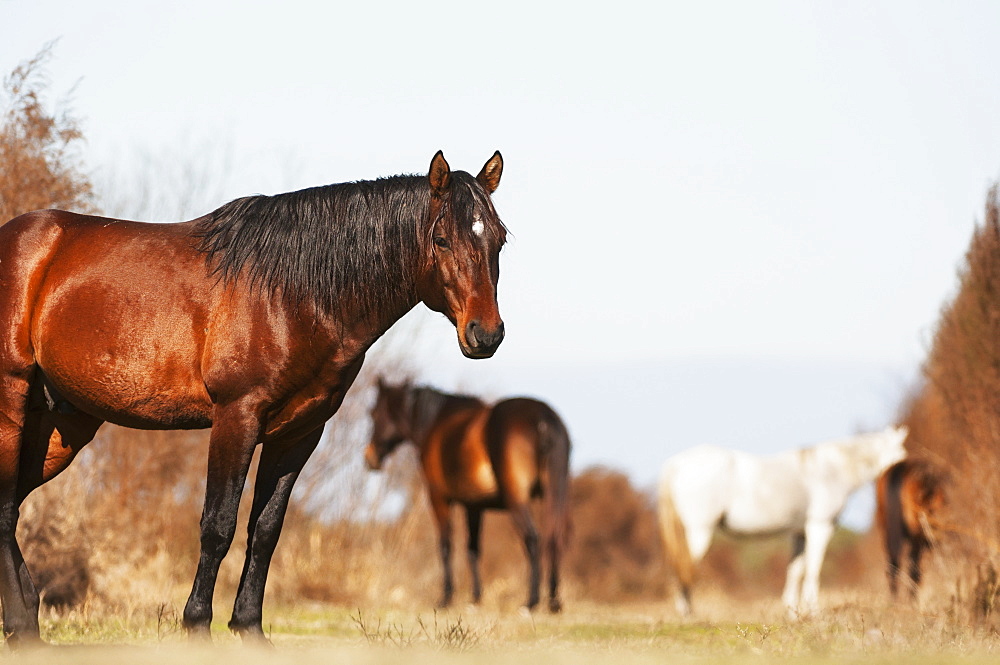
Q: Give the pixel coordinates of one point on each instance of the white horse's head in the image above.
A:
(889, 446)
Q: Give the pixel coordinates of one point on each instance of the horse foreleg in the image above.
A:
(235, 433)
(796, 570)
(442, 517)
(277, 472)
(474, 520)
(818, 536)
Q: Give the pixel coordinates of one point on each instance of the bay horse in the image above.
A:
(252, 320)
(482, 457)
(799, 491)
(909, 496)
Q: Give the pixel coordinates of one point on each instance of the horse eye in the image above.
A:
(441, 242)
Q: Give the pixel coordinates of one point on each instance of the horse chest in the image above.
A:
(310, 408)
(765, 500)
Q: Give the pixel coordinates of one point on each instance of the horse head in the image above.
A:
(462, 248)
(390, 422)
(890, 446)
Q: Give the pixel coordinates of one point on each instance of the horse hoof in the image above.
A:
(555, 606)
(200, 634)
(253, 638)
(21, 643)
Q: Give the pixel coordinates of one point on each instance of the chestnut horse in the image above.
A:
(482, 457)
(909, 496)
(252, 320)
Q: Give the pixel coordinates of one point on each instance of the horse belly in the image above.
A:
(766, 514)
(766, 501)
(120, 343)
(465, 467)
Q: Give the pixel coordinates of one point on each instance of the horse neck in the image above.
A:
(428, 407)
(351, 251)
(859, 458)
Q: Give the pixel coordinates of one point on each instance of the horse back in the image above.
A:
(496, 456)
(529, 447)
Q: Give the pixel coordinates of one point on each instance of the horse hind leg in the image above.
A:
(892, 570)
(474, 521)
(525, 525)
(51, 439)
(917, 546)
(697, 539)
(17, 593)
(554, 554)
(38, 444)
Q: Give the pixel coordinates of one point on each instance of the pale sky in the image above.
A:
(794, 181)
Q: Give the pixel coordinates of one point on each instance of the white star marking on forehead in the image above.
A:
(478, 227)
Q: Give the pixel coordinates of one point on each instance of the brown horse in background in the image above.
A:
(252, 320)
(909, 497)
(483, 457)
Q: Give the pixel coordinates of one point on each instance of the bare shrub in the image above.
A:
(40, 163)
(119, 527)
(615, 551)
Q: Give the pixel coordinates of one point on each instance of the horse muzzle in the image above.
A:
(480, 342)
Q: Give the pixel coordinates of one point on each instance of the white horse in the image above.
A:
(798, 491)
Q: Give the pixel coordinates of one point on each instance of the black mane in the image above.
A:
(338, 245)
(428, 405)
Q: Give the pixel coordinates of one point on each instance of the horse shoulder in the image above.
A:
(827, 477)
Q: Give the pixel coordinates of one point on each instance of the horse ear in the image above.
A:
(489, 177)
(440, 173)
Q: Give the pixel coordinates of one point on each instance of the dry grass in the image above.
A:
(855, 627)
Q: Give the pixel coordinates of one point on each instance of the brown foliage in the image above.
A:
(39, 163)
(121, 525)
(955, 418)
(615, 552)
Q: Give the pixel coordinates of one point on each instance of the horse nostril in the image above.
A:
(478, 337)
(471, 333)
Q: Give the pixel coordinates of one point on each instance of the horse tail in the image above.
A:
(554, 449)
(675, 544)
(926, 501)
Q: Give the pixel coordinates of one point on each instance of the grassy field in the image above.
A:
(852, 629)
